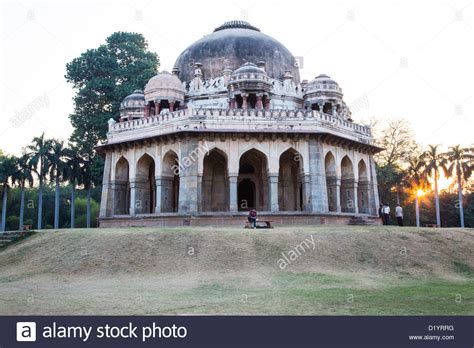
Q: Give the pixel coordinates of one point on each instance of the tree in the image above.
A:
(7, 170)
(398, 143)
(460, 166)
(434, 160)
(40, 147)
(103, 77)
(73, 175)
(57, 160)
(23, 176)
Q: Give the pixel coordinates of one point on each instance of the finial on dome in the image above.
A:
(239, 24)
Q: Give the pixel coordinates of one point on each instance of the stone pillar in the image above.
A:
(133, 197)
(259, 102)
(267, 103)
(333, 109)
(147, 110)
(244, 101)
(363, 197)
(232, 103)
(199, 193)
(171, 106)
(348, 200)
(157, 107)
(233, 204)
(321, 107)
(373, 199)
(333, 184)
(273, 191)
(106, 202)
(188, 176)
(338, 195)
(318, 195)
(355, 195)
(306, 192)
(159, 184)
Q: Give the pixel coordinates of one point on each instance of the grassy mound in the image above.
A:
(320, 270)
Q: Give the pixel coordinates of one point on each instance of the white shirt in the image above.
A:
(399, 211)
(386, 209)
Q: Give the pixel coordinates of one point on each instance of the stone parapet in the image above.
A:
(237, 120)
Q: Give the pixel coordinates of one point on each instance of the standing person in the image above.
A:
(399, 214)
(381, 212)
(253, 218)
(386, 214)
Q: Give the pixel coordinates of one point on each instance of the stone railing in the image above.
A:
(241, 118)
(279, 115)
(148, 121)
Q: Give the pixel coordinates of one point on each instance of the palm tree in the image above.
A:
(22, 176)
(7, 170)
(40, 149)
(460, 165)
(434, 160)
(73, 175)
(414, 176)
(57, 159)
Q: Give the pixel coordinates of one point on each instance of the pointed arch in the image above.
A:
(290, 181)
(170, 182)
(145, 185)
(348, 203)
(363, 188)
(331, 181)
(121, 187)
(215, 185)
(252, 189)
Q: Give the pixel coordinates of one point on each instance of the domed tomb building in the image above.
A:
(233, 128)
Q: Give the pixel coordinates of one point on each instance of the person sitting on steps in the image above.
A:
(253, 218)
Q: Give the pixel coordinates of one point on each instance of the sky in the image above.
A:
(407, 60)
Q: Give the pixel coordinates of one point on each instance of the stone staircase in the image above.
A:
(9, 238)
(364, 221)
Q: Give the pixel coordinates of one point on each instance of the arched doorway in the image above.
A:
(347, 186)
(170, 183)
(290, 187)
(331, 181)
(253, 177)
(122, 188)
(215, 185)
(246, 194)
(363, 188)
(145, 185)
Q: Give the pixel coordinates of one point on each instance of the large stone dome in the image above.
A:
(230, 46)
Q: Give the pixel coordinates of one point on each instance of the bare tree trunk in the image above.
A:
(438, 218)
(88, 208)
(461, 208)
(40, 205)
(4, 209)
(56, 204)
(22, 206)
(73, 204)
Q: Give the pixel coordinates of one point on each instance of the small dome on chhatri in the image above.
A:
(249, 71)
(249, 68)
(136, 99)
(164, 85)
(132, 106)
(323, 82)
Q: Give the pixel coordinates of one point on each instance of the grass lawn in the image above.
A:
(340, 270)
